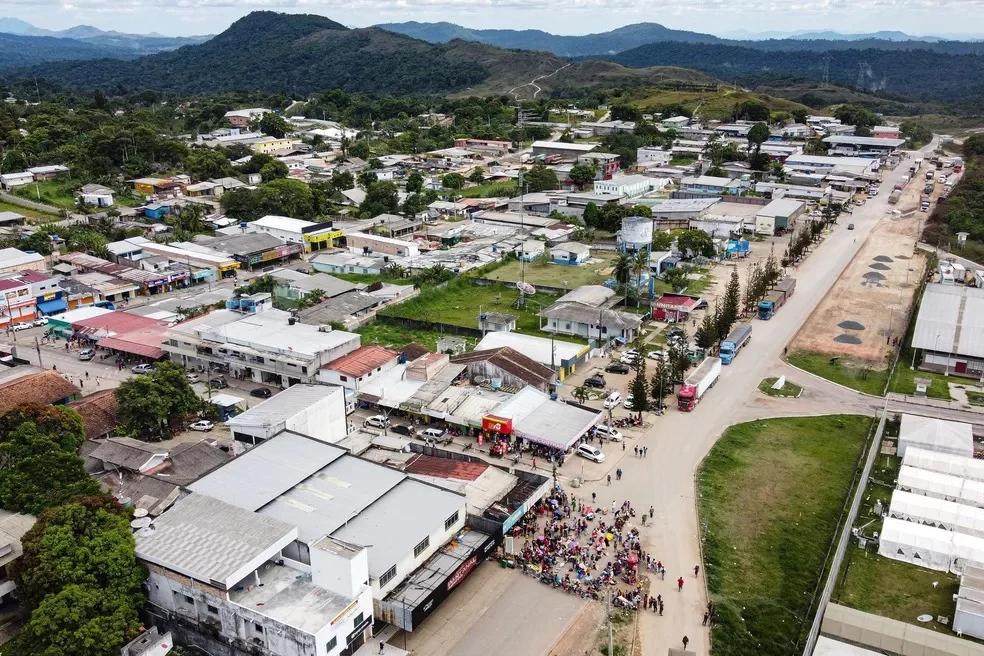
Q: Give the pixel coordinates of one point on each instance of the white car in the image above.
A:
(40, 321)
(627, 404)
(658, 355)
(629, 357)
(87, 354)
(590, 452)
(377, 421)
(613, 400)
(606, 432)
(192, 378)
(27, 325)
(942, 179)
(202, 425)
(143, 369)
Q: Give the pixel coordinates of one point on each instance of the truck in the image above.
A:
(903, 181)
(929, 175)
(776, 299)
(894, 197)
(739, 336)
(928, 189)
(697, 384)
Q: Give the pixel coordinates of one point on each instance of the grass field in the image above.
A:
(904, 381)
(489, 190)
(897, 590)
(719, 105)
(595, 272)
(771, 494)
(26, 211)
(391, 336)
(788, 388)
(843, 371)
(59, 192)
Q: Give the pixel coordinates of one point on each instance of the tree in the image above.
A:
(274, 170)
(366, 178)
(287, 198)
(592, 215)
(661, 385)
(87, 541)
(676, 277)
(540, 178)
(622, 269)
(415, 183)
(759, 161)
(477, 175)
(360, 149)
(149, 402)
(758, 135)
(679, 362)
(696, 243)
(639, 388)
(916, 133)
(40, 467)
(642, 210)
(415, 204)
(207, 163)
(662, 241)
(707, 332)
(731, 308)
(453, 181)
(274, 125)
(581, 174)
(778, 171)
(580, 394)
(78, 621)
(344, 180)
(381, 198)
(717, 172)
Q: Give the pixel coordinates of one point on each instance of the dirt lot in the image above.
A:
(868, 306)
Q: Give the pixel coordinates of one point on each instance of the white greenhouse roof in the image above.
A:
(937, 513)
(941, 486)
(936, 435)
(945, 463)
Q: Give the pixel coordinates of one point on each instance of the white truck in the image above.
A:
(697, 384)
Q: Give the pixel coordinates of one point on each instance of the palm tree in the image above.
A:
(344, 146)
(622, 272)
(580, 394)
(640, 264)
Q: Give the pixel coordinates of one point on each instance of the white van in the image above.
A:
(606, 432)
(613, 400)
(590, 452)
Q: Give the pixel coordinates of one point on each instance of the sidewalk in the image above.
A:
(954, 404)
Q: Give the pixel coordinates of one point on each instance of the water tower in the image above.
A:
(636, 234)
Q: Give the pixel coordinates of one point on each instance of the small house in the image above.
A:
(95, 195)
(530, 250)
(570, 253)
(496, 322)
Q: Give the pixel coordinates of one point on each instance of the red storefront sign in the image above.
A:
(462, 572)
(493, 424)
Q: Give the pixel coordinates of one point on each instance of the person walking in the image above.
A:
(610, 481)
(618, 474)
(686, 641)
(651, 511)
(594, 498)
(696, 570)
(635, 450)
(707, 616)
(661, 609)
(623, 445)
(680, 584)
(613, 504)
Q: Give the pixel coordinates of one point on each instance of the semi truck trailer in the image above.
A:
(740, 335)
(697, 384)
(776, 298)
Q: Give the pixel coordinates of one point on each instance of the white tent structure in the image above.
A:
(944, 463)
(941, 486)
(968, 620)
(932, 548)
(916, 544)
(937, 513)
(936, 435)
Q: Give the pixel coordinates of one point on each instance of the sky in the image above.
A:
(721, 17)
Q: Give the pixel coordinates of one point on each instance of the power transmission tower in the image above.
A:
(826, 73)
(862, 72)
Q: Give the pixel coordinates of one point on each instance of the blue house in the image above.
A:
(570, 253)
(157, 211)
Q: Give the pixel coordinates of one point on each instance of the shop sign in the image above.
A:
(493, 424)
(359, 629)
(462, 572)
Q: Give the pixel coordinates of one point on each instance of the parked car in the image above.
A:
(627, 404)
(613, 400)
(218, 383)
(617, 368)
(629, 357)
(590, 452)
(192, 378)
(142, 369)
(435, 436)
(400, 429)
(376, 421)
(87, 354)
(673, 332)
(27, 325)
(701, 305)
(261, 392)
(606, 432)
(202, 425)
(595, 381)
(40, 321)
(657, 355)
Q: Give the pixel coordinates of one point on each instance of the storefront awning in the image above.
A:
(133, 348)
(53, 306)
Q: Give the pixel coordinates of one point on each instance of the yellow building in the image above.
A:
(271, 144)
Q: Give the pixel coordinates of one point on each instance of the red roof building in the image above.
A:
(359, 367)
(674, 307)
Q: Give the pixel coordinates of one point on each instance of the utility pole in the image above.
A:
(37, 345)
(611, 646)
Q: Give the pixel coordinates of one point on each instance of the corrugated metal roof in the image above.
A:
(445, 467)
(951, 320)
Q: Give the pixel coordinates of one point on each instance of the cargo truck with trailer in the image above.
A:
(775, 299)
(734, 342)
(697, 384)
(894, 197)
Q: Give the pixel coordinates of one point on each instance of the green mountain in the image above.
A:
(19, 50)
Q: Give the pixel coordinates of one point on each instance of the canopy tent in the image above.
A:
(968, 619)
(936, 435)
(941, 486)
(945, 463)
(916, 544)
(937, 513)
(892, 636)
(967, 551)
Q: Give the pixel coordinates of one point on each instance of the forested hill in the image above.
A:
(270, 51)
(916, 74)
(19, 50)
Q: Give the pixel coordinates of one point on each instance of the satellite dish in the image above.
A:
(526, 288)
(140, 512)
(138, 524)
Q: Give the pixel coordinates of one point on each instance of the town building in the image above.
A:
(885, 132)
(651, 156)
(13, 180)
(677, 213)
(12, 259)
(570, 253)
(578, 320)
(778, 216)
(725, 219)
(17, 304)
(486, 146)
(530, 250)
(95, 195)
(13, 526)
(496, 321)
(45, 387)
(566, 151)
(296, 286)
(851, 145)
(950, 319)
(709, 184)
(313, 236)
(354, 370)
(48, 172)
(369, 244)
(507, 368)
(562, 357)
(254, 249)
(243, 117)
(631, 186)
(254, 341)
(317, 411)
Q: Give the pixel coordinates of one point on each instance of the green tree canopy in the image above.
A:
(477, 175)
(381, 198)
(453, 181)
(207, 163)
(592, 215)
(149, 402)
(415, 182)
(540, 178)
(360, 149)
(662, 241)
(275, 126)
(275, 170)
(87, 541)
(582, 174)
(758, 135)
(696, 243)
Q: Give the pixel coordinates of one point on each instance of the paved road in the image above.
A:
(679, 441)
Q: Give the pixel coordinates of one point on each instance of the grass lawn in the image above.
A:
(57, 192)
(904, 381)
(843, 371)
(597, 271)
(385, 334)
(894, 589)
(461, 301)
(771, 494)
(788, 388)
(26, 211)
(489, 190)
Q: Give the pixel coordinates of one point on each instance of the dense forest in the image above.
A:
(915, 74)
(963, 211)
